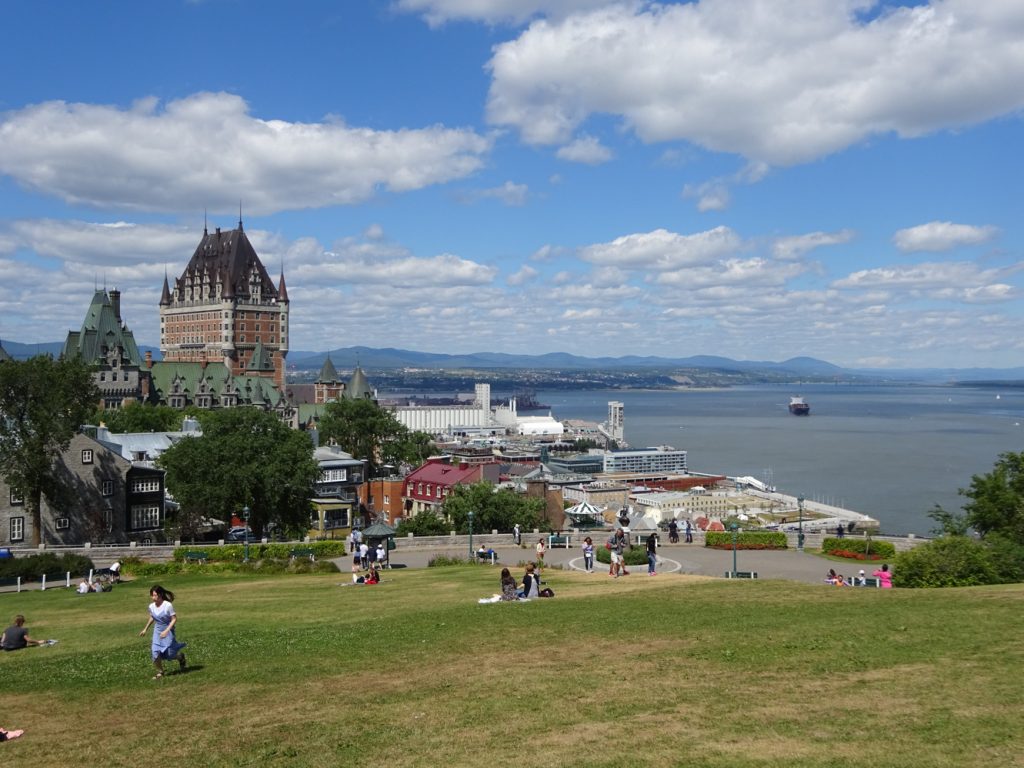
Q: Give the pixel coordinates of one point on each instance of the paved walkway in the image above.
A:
(679, 558)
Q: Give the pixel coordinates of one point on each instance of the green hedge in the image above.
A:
(258, 551)
(746, 540)
(262, 567)
(856, 549)
(33, 567)
(635, 556)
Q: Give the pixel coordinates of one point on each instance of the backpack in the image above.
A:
(547, 592)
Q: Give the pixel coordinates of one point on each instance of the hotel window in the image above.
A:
(387, 499)
(145, 516)
(108, 488)
(16, 497)
(62, 523)
(17, 529)
(86, 456)
(145, 486)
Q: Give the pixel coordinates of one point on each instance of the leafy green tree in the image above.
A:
(368, 432)
(997, 499)
(492, 509)
(245, 457)
(426, 523)
(141, 417)
(43, 402)
(950, 523)
(949, 561)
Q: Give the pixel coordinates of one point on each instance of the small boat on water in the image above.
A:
(798, 407)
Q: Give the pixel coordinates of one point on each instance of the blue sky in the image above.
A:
(755, 179)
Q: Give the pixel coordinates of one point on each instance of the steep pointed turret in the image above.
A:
(358, 387)
(328, 373)
(282, 291)
(165, 296)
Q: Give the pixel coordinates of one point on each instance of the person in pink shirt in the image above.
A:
(884, 577)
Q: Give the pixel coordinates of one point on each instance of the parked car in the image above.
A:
(238, 533)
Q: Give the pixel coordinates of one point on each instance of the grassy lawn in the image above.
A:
(675, 670)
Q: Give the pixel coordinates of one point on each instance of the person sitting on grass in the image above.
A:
(16, 636)
(508, 586)
(531, 583)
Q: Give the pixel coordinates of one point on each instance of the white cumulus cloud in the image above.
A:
(585, 149)
(780, 83)
(663, 250)
(795, 246)
(208, 150)
(941, 236)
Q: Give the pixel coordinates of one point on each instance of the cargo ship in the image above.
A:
(798, 407)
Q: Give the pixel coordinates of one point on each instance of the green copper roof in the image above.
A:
(102, 330)
(358, 387)
(191, 379)
(260, 359)
(328, 373)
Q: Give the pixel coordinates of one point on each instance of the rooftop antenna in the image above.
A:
(239, 215)
(205, 231)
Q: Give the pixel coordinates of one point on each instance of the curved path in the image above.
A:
(677, 558)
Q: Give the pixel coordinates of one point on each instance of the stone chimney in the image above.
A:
(115, 302)
(149, 359)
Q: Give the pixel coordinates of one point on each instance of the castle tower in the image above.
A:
(225, 307)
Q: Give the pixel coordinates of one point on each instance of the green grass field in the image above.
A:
(675, 670)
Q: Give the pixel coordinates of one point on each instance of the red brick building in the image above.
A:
(428, 486)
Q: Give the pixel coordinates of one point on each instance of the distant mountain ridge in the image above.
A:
(367, 357)
(390, 357)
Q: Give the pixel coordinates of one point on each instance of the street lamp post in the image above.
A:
(245, 516)
(735, 535)
(800, 532)
(470, 515)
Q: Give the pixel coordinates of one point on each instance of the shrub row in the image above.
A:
(858, 548)
(259, 551)
(746, 540)
(263, 567)
(444, 561)
(634, 556)
(959, 561)
(33, 567)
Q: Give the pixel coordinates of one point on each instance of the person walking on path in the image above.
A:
(618, 543)
(652, 553)
(15, 637)
(588, 555)
(541, 549)
(165, 644)
(673, 532)
(840, 531)
(884, 577)
(517, 536)
(689, 532)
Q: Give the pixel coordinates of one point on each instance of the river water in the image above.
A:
(891, 452)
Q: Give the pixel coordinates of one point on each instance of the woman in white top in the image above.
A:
(163, 618)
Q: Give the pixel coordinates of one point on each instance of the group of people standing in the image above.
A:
(673, 532)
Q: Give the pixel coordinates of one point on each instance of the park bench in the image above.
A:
(302, 552)
(559, 540)
(489, 556)
(741, 575)
(197, 557)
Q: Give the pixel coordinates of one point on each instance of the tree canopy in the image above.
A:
(43, 402)
(141, 417)
(245, 457)
(997, 499)
(368, 432)
(492, 509)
